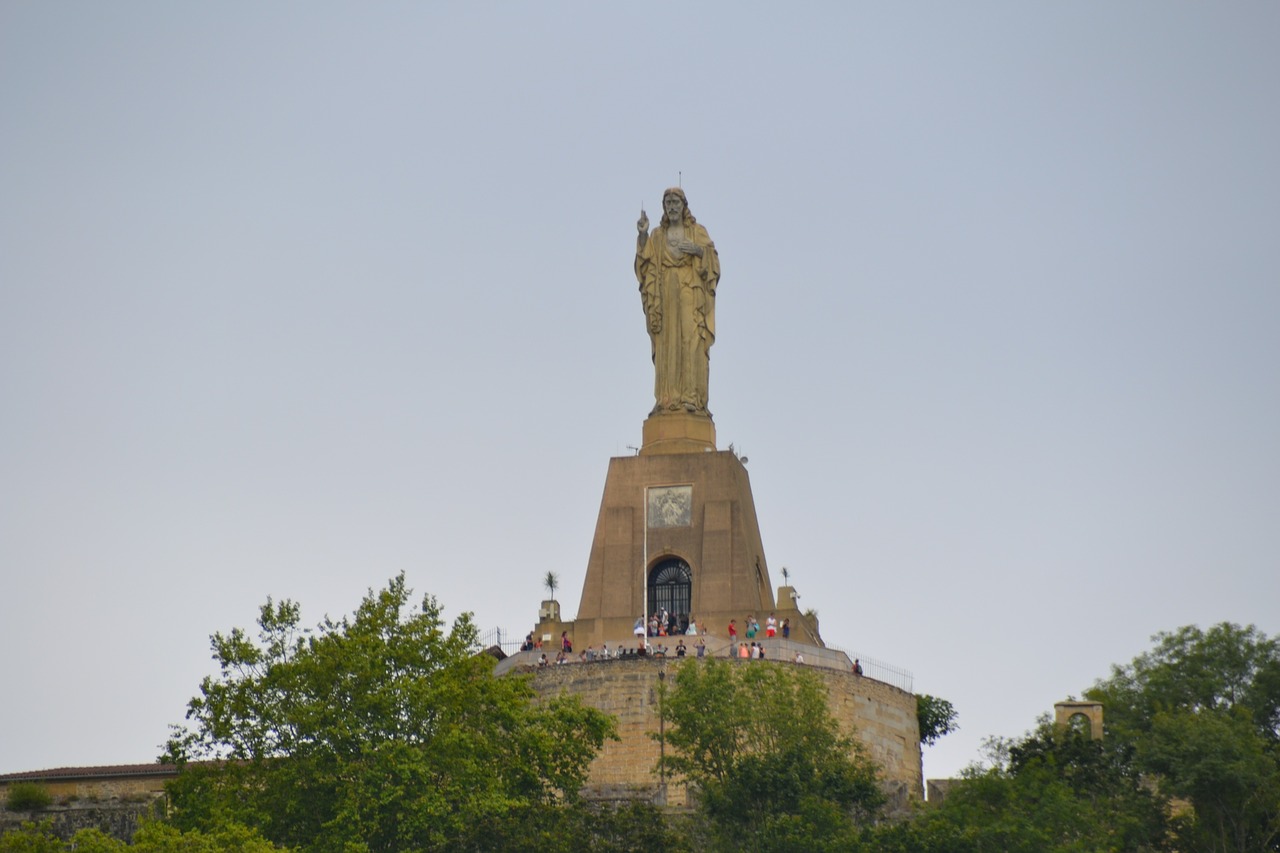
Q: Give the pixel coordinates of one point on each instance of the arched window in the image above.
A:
(670, 586)
(1081, 724)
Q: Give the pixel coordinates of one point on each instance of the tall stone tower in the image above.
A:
(677, 528)
(677, 531)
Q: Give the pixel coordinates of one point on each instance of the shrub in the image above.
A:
(28, 796)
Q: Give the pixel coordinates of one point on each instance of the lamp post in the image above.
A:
(662, 732)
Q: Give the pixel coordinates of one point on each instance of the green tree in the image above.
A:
(1219, 670)
(771, 766)
(1201, 712)
(154, 837)
(574, 827)
(32, 838)
(382, 732)
(28, 796)
(1051, 791)
(1189, 761)
(936, 717)
(151, 837)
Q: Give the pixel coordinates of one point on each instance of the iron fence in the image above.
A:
(881, 671)
(500, 638)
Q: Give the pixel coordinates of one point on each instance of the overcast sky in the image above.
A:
(298, 296)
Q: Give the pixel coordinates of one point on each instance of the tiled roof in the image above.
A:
(114, 771)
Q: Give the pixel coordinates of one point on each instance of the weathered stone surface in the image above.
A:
(80, 785)
(881, 716)
(117, 818)
(721, 543)
(1068, 710)
(677, 433)
(937, 790)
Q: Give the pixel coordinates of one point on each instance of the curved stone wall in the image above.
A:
(883, 717)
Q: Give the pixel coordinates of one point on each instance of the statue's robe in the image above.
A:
(678, 293)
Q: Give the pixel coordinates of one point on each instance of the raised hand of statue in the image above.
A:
(642, 225)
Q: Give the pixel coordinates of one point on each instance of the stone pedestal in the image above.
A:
(678, 432)
(702, 512)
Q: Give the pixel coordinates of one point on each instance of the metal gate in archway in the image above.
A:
(671, 587)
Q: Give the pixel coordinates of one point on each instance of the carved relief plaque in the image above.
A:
(671, 506)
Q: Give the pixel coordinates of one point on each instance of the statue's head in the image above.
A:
(675, 205)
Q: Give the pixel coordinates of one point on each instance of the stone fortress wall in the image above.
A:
(113, 799)
(128, 783)
(883, 717)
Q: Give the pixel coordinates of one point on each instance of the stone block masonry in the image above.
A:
(119, 819)
(881, 716)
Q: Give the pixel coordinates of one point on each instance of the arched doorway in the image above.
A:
(671, 586)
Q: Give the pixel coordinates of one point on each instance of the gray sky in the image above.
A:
(295, 296)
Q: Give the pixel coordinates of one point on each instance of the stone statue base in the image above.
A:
(717, 536)
(678, 432)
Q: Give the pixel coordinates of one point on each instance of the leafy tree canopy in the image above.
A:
(936, 717)
(382, 731)
(1201, 712)
(152, 837)
(1224, 669)
(1189, 761)
(1051, 791)
(773, 769)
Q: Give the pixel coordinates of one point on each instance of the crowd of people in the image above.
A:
(591, 654)
(662, 623)
(666, 624)
(751, 627)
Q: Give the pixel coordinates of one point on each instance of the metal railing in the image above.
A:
(881, 671)
(871, 667)
(500, 638)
